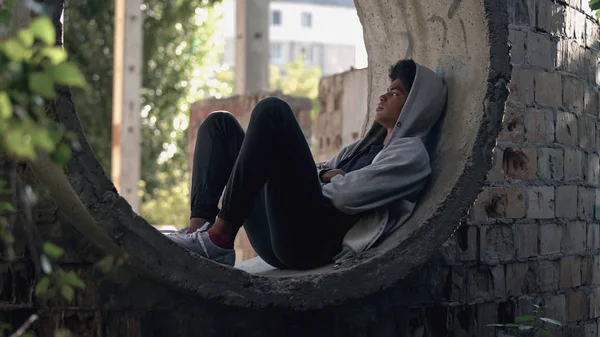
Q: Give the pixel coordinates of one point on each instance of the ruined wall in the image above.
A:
(343, 99)
(533, 235)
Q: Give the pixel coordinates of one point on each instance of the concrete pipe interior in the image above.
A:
(464, 41)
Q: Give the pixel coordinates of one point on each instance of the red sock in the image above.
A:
(220, 240)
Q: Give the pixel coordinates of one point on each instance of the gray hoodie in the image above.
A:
(385, 193)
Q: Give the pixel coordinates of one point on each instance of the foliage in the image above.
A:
(180, 51)
(295, 78)
(529, 325)
(171, 205)
(31, 65)
(595, 5)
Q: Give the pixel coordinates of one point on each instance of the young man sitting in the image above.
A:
(302, 215)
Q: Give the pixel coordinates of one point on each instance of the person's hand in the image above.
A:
(326, 177)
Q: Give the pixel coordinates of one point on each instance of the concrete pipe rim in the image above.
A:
(176, 268)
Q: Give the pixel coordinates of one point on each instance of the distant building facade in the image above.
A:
(343, 100)
(327, 32)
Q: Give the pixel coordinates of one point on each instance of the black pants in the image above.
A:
(272, 186)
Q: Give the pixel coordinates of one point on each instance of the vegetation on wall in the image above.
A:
(31, 66)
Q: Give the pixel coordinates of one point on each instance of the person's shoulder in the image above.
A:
(412, 142)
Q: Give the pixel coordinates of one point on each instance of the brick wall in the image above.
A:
(533, 235)
(241, 107)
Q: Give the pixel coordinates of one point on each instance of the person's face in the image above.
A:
(391, 104)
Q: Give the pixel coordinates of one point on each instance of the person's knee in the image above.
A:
(271, 107)
(219, 118)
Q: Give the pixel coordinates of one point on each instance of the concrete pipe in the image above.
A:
(465, 41)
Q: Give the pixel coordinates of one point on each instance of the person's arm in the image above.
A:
(331, 163)
(398, 171)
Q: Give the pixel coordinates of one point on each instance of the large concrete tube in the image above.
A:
(465, 41)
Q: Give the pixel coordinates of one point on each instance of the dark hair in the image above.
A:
(405, 70)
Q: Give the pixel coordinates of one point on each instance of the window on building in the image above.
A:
(276, 18)
(308, 54)
(306, 19)
(276, 52)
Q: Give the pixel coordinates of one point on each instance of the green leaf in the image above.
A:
(42, 84)
(496, 325)
(524, 318)
(594, 4)
(43, 29)
(73, 279)
(526, 327)
(56, 55)
(15, 51)
(28, 334)
(551, 321)
(6, 110)
(26, 37)
(67, 73)
(53, 250)
(41, 139)
(42, 286)
(67, 292)
(6, 207)
(544, 332)
(62, 154)
(5, 17)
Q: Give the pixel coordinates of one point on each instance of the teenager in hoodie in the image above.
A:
(294, 218)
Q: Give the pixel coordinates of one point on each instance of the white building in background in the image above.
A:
(328, 32)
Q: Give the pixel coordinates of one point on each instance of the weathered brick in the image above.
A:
(587, 132)
(521, 86)
(573, 167)
(541, 202)
(575, 25)
(575, 237)
(467, 238)
(586, 270)
(598, 136)
(496, 173)
(576, 55)
(539, 126)
(585, 203)
(566, 201)
(590, 65)
(590, 100)
(521, 12)
(517, 50)
(540, 50)
(512, 126)
(573, 92)
(551, 236)
(547, 86)
(551, 163)
(526, 239)
(592, 33)
(497, 243)
(596, 270)
(594, 303)
(522, 278)
(570, 272)
(520, 163)
(566, 128)
(573, 330)
(485, 283)
(576, 306)
(593, 169)
(549, 275)
(593, 236)
(591, 329)
(562, 55)
(550, 17)
(556, 308)
(505, 202)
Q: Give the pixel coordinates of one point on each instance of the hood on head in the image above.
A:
(422, 110)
